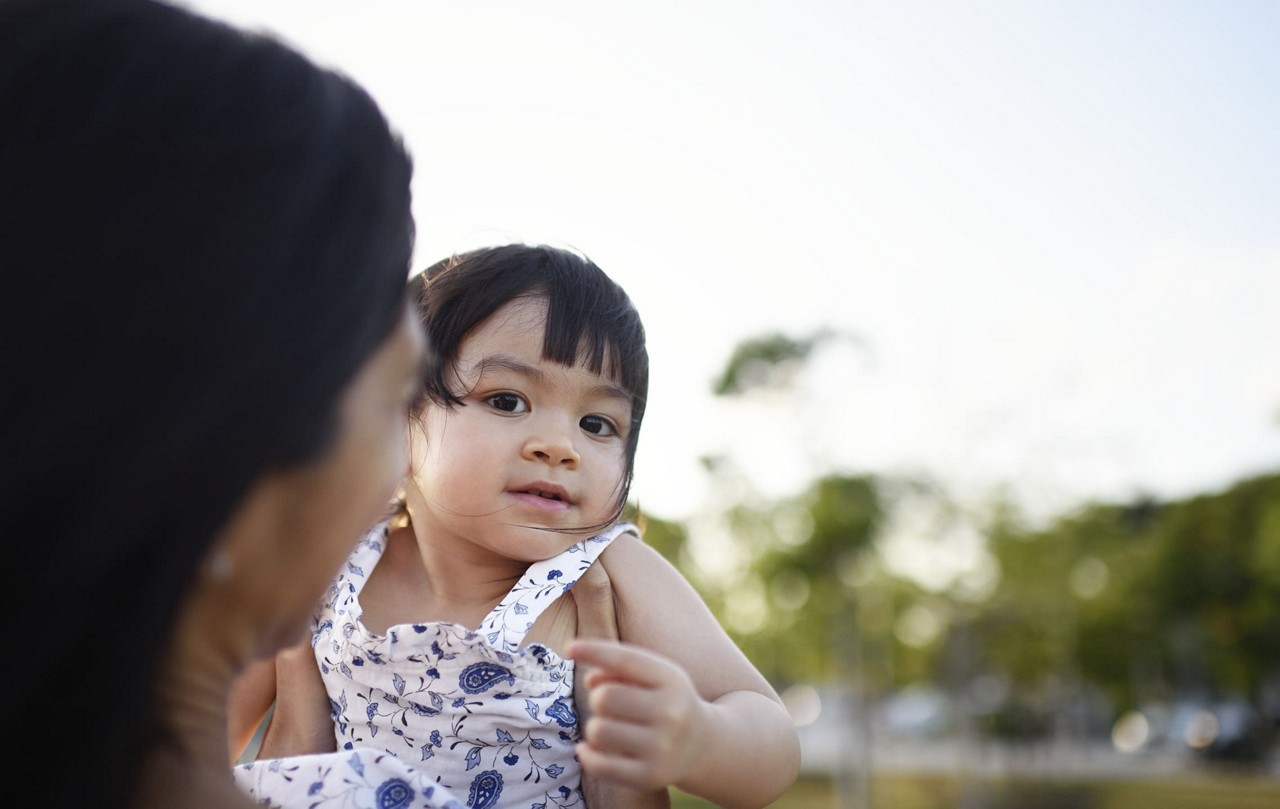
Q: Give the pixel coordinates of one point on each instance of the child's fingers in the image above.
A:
(621, 738)
(629, 771)
(596, 677)
(627, 703)
(623, 660)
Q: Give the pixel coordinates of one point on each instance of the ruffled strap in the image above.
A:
(336, 605)
(507, 624)
(364, 556)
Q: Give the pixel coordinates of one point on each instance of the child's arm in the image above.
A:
(677, 702)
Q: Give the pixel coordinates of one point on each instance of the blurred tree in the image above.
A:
(1064, 613)
(1214, 577)
(1126, 603)
(796, 548)
(1145, 600)
(768, 360)
(800, 570)
(671, 539)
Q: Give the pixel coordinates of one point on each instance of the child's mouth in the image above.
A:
(544, 497)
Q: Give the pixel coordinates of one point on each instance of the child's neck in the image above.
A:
(418, 581)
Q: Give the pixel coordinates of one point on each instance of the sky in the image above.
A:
(1047, 232)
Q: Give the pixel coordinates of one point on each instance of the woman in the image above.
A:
(207, 358)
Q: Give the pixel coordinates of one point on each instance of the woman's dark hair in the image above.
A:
(590, 320)
(204, 237)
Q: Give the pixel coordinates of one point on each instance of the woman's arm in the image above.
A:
(248, 704)
(290, 688)
(301, 723)
(677, 702)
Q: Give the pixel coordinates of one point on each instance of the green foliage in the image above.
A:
(1212, 575)
(666, 537)
(1188, 602)
(761, 361)
(799, 569)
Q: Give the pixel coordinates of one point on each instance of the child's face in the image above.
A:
(534, 444)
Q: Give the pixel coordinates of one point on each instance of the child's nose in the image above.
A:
(552, 445)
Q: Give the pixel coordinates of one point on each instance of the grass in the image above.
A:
(907, 791)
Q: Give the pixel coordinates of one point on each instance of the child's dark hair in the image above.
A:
(590, 320)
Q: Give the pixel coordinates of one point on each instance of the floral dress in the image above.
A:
(347, 779)
(494, 723)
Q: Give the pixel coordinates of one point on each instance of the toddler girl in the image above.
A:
(445, 640)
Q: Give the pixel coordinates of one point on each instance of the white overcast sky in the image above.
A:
(1054, 228)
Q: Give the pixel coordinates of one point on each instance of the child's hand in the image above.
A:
(646, 722)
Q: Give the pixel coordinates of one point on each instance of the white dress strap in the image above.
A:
(545, 581)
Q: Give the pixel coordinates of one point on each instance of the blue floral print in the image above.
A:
(363, 780)
(480, 677)
(485, 790)
(394, 794)
(562, 713)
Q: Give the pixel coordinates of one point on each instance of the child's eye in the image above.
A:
(598, 425)
(508, 403)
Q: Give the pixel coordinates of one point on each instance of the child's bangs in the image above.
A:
(599, 330)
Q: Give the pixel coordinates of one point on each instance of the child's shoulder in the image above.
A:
(655, 604)
(619, 535)
(630, 562)
(619, 529)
